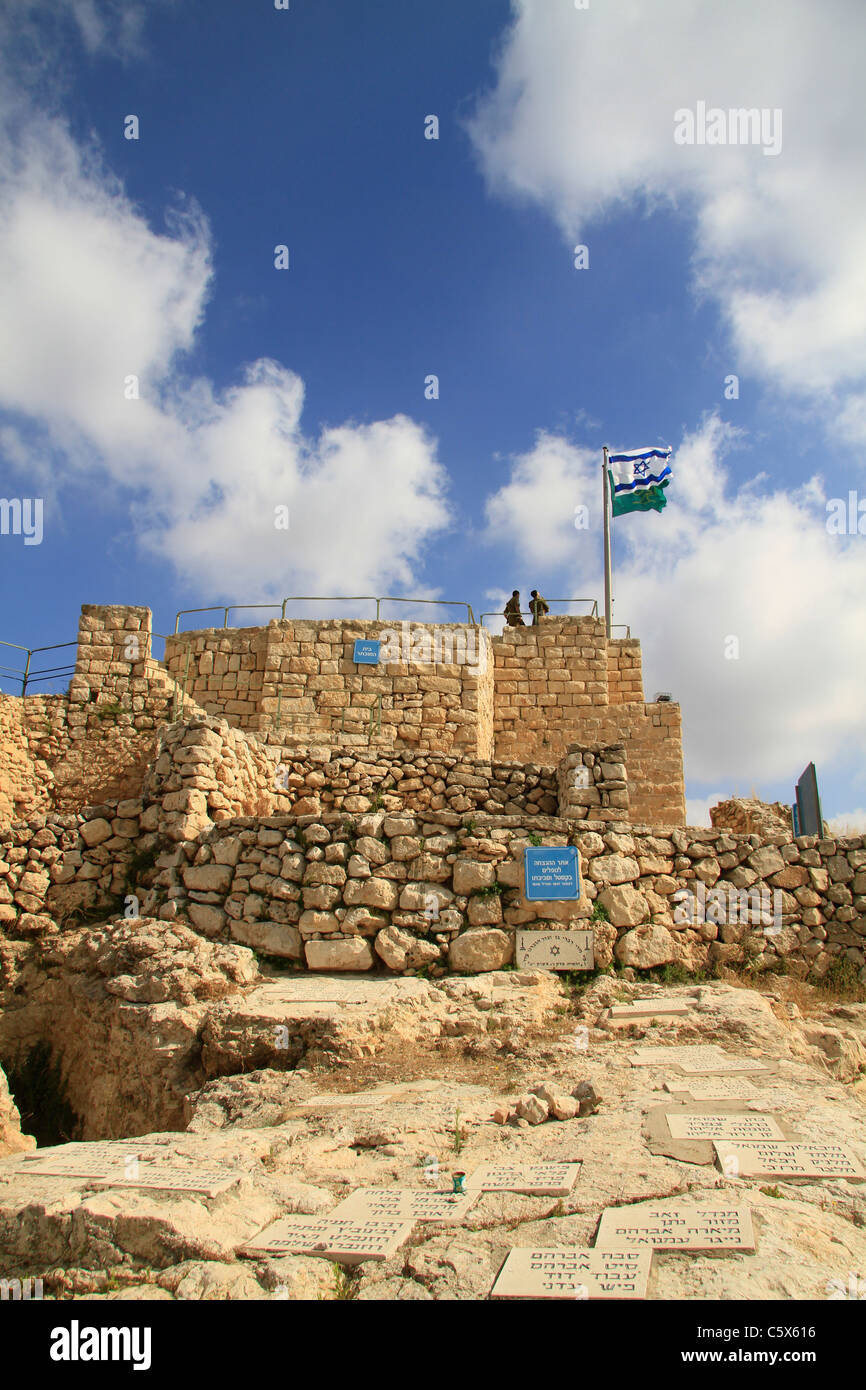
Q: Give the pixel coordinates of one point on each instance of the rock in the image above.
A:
(209, 920)
(11, 1139)
(532, 1108)
(95, 831)
(564, 1107)
(470, 875)
(646, 947)
(271, 938)
(500, 1115)
(208, 878)
(766, 861)
(402, 951)
(626, 907)
(372, 892)
(751, 817)
(614, 868)
(587, 1097)
(341, 953)
(480, 949)
(484, 912)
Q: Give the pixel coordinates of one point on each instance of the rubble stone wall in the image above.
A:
(437, 889)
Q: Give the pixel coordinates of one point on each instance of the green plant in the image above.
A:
(459, 1134)
(345, 1282)
(493, 890)
(109, 711)
(533, 838)
(773, 1192)
(469, 823)
(842, 977)
(599, 912)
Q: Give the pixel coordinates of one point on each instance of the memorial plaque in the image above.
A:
(556, 950)
(344, 1241)
(583, 1274)
(172, 1180)
(700, 1060)
(713, 1088)
(403, 1204)
(734, 1127)
(551, 873)
(649, 1008)
(538, 1179)
(760, 1159)
(673, 1227)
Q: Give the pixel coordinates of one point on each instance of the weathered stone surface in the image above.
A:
(481, 949)
(402, 951)
(646, 947)
(626, 907)
(614, 868)
(341, 953)
(272, 938)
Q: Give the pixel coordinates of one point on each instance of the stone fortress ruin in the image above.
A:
(261, 787)
(262, 910)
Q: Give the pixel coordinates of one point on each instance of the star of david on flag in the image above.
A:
(638, 478)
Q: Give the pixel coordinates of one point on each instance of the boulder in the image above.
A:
(626, 907)
(341, 953)
(272, 938)
(402, 951)
(469, 876)
(480, 949)
(646, 947)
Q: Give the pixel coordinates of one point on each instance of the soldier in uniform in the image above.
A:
(538, 607)
(512, 611)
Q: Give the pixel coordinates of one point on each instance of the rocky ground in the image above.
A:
(403, 1081)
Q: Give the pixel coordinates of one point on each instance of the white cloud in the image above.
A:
(848, 822)
(93, 295)
(581, 120)
(749, 563)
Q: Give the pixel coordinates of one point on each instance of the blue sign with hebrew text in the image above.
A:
(552, 873)
(366, 653)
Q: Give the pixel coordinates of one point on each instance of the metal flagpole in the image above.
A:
(607, 566)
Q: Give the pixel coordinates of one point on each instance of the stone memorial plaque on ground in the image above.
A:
(757, 1159)
(539, 1179)
(701, 1126)
(669, 1226)
(698, 1060)
(344, 1241)
(403, 1204)
(583, 1274)
(712, 1088)
(648, 1008)
(165, 1179)
(555, 950)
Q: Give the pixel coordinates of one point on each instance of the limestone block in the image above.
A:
(95, 831)
(626, 907)
(470, 875)
(342, 953)
(208, 878)
(646, 947)
(481, 948)
(272, 938)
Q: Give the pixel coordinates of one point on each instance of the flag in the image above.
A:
(638, 479)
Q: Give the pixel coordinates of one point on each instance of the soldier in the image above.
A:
(512, 611)
(538, 607)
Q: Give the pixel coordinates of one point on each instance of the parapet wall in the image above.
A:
(447, 693)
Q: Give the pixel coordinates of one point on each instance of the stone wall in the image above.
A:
(437, 889)
(547, 678)
(300, 677)
(624, 671)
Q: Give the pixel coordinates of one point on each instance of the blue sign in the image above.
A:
(366, 653)
(552, 873)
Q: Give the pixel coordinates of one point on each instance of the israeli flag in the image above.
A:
(638, 478)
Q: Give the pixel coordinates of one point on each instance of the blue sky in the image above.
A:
(408, 257)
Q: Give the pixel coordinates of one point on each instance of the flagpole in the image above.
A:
(607, 566)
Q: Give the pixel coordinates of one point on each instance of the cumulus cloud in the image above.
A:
(581, 120)
(94, 297)
(749, 611)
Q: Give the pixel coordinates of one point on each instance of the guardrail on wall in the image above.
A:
(225, 609)
(27, 675)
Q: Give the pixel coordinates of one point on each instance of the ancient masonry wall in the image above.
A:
(299, 678)
(400, 892)
(624, 672)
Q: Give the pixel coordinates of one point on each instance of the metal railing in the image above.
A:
(614, 627)
(27, 675)
(527, 613)
(225, 609)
